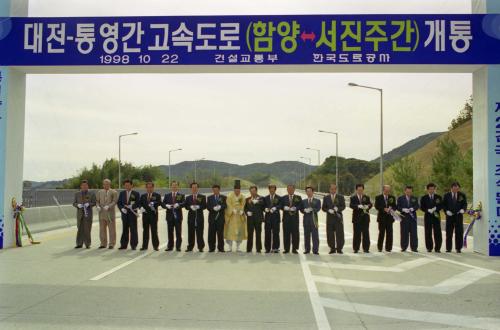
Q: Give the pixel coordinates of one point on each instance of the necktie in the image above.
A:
(385, 199)
(290, 199)
(194, 199)
(128, 196)
(149, 197)
(173, 197)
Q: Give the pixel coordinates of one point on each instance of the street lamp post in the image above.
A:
(336, 155)
(195, 162)
(308, 158)
(319, 160)
(169, 173)
(120, 157)
(381, 129)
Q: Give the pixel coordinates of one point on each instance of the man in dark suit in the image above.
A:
(254, 210)
(333, 205)
(149, 206)
(432, 204)
(360, 205)
(384, 203)
(216, 205)
(290, 204)
(408, 206)
(174, 202)
(455, 205)
(272, 221)
(195, 204)
(128, 203)
(310, 207)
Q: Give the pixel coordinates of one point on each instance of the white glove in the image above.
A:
(336, 209)
(142, 210)
(308, 210)
(430, 211)
(293, 209)
(411, 209)
(193, 207)
(365, 207)
(249, 213)
(241, 212)
(234, 211)
(448, 213)
(169, 206)
(286, 208)
(255, 201)
(106, 207)
(217, 207)
(98, 208)
(124, 210)
(86, 204)
(331, 211)
(405, 210)
(176, 205)
(462, 211)
(151, 204)
(266, 210)
(79, 206)
(273, 209)
(360, 206)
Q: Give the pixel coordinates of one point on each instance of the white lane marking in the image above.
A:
(448, 286)
(319, 311)
(459, 263)
(458, 320)
(125, 264)
(402, 267)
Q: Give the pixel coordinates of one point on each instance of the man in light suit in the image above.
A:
(333, 205)
(106, 202)
(84, 201)
(408, 206)
(128, 203)
(310, 207)
(174, 202)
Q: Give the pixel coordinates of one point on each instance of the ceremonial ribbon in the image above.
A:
(395, 215)
(475, 214)
(18, 210)
(129, 206)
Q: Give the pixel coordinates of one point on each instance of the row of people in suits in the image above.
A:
(273, 209)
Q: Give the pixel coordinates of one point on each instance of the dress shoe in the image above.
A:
(111, 247)
(102, 247)
(285, 252)
(156, 249)
(143, 248)
(134, 248)
(295, 252)
(169, 249)
(87, 247)
(306, 252)
(122, 248)
(340, 252)
(331, 252)
(366, 251)
(189, 250)
(178, 249)
(459, 251)
(316, 253)
(356, 251)
(211, 251)
(78, 247)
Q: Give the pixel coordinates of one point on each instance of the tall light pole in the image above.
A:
(381, 130)
(336, 155)
(195, 162)
(120, 157)
(169, 173)
(319, 160)
(309, 159)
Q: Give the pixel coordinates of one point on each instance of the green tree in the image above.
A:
(407, 171)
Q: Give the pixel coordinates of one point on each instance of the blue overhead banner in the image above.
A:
(251, 40)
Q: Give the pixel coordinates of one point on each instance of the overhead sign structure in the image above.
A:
(250, 40)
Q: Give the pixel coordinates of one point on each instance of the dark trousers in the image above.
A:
(150, 223)
(454, 224)
(335, 234)
(290, 233)
(195, 232)
(361, 232)
(254, 225)
(174, 225)
(385, 232)
(432, 226)
(409, 233)
(84, 226)
(272, 234)
(129, 231)
(216, 233)
(310, 231)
